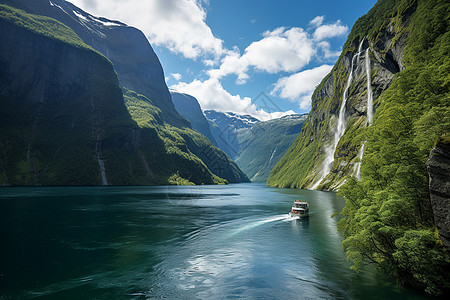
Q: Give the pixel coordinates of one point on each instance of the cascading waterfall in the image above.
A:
(369, 90)
(359, 51)
(357, 167)
(340, 129)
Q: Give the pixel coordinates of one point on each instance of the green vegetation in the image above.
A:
(53, 129)
(387, 219)
(180, 165)
(41, 25)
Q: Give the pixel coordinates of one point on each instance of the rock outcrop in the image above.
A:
(439, 175)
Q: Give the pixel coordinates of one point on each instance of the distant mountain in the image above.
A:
(254, 145)
(224, 127)
(64, 120)
(190, 109)
(263, 145)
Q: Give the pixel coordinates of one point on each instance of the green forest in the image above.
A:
(387, 219)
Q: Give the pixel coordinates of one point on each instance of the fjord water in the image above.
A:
(207, 242)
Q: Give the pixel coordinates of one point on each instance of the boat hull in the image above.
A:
(298, 216)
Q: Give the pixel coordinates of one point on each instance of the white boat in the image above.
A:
(300, 209)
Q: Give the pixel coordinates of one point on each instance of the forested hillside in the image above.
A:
(388, 218)
(64, 119)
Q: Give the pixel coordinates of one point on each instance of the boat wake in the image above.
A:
(279, 218)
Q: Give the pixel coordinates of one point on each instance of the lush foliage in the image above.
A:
(387, 218)
(179, 163)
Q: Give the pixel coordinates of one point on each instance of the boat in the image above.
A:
(300, 209)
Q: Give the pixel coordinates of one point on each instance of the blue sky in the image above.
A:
(226, 53)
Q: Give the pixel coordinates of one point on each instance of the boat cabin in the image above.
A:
(300, 208)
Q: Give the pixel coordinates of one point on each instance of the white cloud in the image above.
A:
(300, 86)
(176, 76)
(179, 25)
(282, 50)
(325, 47)
(279, 50)
(330, 30)
(317, 21)
(212, 95)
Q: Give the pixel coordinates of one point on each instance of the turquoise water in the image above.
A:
(205, 242)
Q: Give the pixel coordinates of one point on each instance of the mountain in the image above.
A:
(65, 120)
(374, 120)
(190, 109)
(134, 60)
(224, 128)
(265, 143)
(254, 145)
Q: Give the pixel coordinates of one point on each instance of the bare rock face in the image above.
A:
(439, 174)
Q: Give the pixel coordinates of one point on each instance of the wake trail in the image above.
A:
(282, 218)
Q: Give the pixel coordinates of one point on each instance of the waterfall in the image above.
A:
(100, 161)
(369, 90)
(359, 51)
(340, 128)
(357, 167)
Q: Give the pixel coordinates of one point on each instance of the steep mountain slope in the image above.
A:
(328, 148)
(134, 60)
(224, 128)
(63, 119)
(397, 59)
(263, 145)
(190, 109)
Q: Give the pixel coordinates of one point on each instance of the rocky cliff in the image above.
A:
(65, 120)
(439, 174)
(373, 123)
(134, 60)
(343, 106)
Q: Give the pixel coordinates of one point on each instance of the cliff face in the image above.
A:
(396, 57)
(134, 60)
(64, 119)
(439, 173)
(58, 103)
(190, 109)
(330, 145)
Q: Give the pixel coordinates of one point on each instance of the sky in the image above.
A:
(262, 58)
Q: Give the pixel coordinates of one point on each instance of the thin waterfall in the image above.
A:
(340, 129)
(359, 51)
(369, 90)
(357, 167)
(100, 162)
